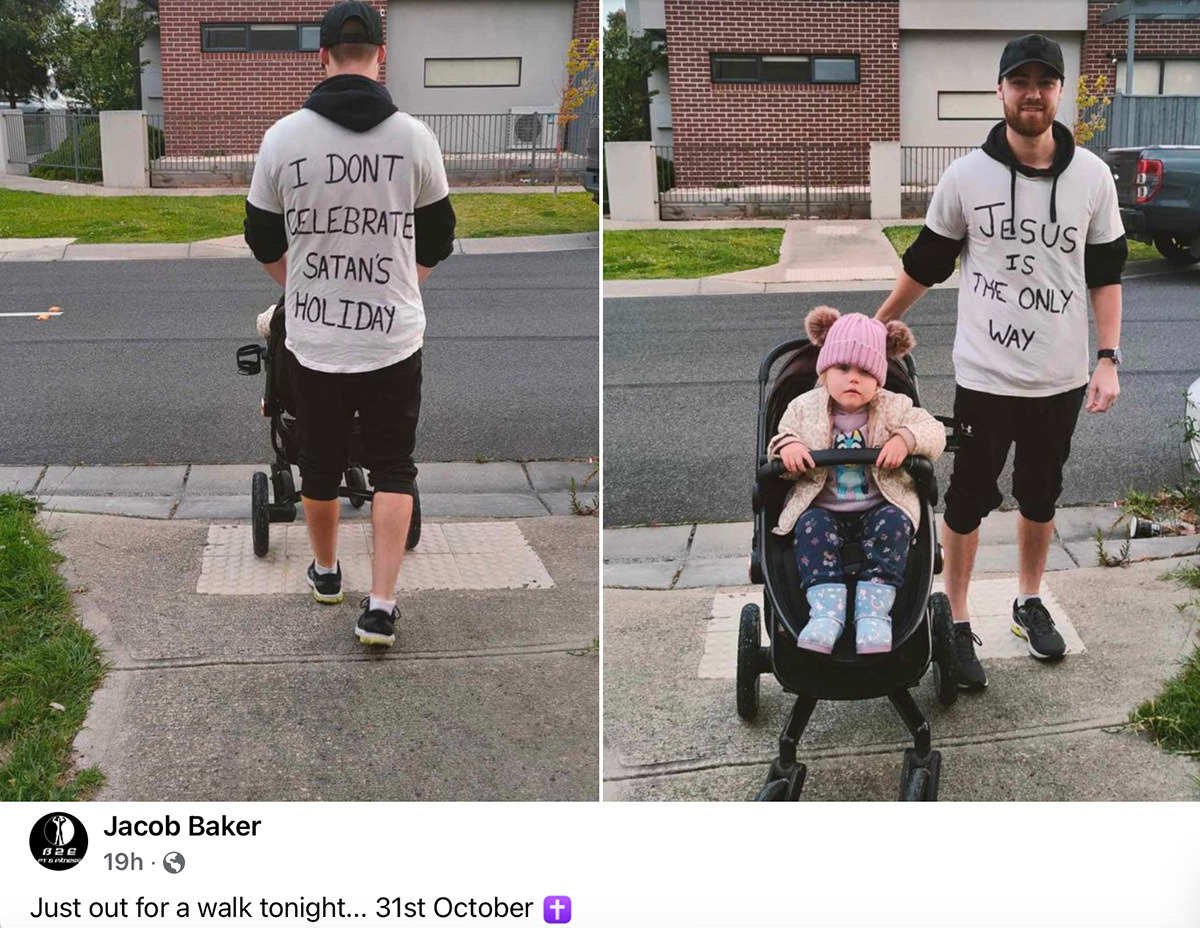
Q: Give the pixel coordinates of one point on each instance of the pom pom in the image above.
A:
(900, 340)
(818, 323)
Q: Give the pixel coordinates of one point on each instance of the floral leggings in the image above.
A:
(884, 533)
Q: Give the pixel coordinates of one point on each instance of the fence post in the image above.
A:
(632, 181)
(12, 147)
(124, 148)
(885, 180)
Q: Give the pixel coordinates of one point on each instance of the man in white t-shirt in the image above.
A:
(349, 210)
(1036, 223)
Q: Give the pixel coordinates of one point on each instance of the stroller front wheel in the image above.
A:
(945, 658)
(260, 513)
(748, 663)
(356, 480)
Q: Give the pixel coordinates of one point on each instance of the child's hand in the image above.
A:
(893, 453)
(795, 457)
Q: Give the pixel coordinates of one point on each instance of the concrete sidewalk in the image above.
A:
(491, 692)
(676, 557)
(815, 256)
(234, 246)
(70, 189)
(1039, 732)
(504, 489)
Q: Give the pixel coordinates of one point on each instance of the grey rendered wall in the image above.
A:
(936, 61)
(152, 95)
(971, 15)
(537, 31)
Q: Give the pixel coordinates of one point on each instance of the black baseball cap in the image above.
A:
(1032, 47)
(338, 25)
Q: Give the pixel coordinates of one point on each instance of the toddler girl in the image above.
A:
(877, 505)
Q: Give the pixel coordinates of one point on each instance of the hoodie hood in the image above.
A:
(998, 148)
(352, 101)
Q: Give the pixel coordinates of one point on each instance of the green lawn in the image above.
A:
(49, 665)
(93, 220)
(1173, 719)
(903, 236)
(658, 253)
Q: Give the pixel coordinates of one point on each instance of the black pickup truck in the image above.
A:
(1158, 192)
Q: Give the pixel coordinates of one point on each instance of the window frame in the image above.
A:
(972, 93)
(245, 48)
(519, 59)
(758, 57)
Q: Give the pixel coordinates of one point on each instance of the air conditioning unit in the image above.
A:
(533, 127)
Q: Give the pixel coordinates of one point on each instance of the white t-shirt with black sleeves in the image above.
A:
(353, 302)
(1022, 296)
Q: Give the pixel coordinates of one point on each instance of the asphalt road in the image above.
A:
(140, 366)
(680, 395)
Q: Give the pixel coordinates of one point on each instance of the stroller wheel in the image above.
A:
(919, 783)
(260, 513)
(414, 526)
(945, 658)
(774, 791)
(748, 663)
(784, 784)
(356, 479)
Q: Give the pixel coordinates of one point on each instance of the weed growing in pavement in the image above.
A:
(1104, 559)
(49, 665)
(579, 508)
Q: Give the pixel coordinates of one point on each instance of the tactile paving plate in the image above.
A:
(451, 556)
(990, 602)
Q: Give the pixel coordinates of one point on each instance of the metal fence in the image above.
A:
(799, 180)
(198, 149)
(921, 167)
(56, 146)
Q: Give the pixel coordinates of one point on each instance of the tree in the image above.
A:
(580, 85)
(97, 59)
(1092, 108)
(24, 47)
(628, 62)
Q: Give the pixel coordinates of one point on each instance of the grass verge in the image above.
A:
(106, 220)
(49, 665)
(903, 236)
(1173, 719)
(645, 254)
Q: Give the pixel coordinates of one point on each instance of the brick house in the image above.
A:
(790, 91)
(223, 71)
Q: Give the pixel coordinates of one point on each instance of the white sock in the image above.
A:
(1023, 598)
(386, 605)
(325, 570)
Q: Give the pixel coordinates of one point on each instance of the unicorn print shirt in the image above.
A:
(849, 487)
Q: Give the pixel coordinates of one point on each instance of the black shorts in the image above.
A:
(1041, 427)
(388, 403)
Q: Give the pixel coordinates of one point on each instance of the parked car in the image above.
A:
(591, 171)
(1158, 192)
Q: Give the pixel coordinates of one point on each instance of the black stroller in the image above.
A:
(278, 406)
(922, 628)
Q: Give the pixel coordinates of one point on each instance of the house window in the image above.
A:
(472, 72)
(1166, 76)
(969, 104)
(260, 37)
(783, 69)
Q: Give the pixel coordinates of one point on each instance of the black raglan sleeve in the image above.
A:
(434, 225)
(930, 259)
(1104, 263)
(265, 234)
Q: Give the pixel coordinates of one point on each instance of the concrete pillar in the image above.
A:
(124, 149)
(632, 181)
(11, 122)
(885, 180)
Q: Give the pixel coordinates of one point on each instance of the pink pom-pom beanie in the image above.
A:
(859, 340)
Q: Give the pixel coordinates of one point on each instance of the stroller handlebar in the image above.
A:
(913, 464)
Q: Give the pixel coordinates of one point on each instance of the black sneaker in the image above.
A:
(970, 671)
(327, 588)
(376, 626)
(1033, 623)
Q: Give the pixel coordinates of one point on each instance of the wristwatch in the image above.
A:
(1113, 354)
